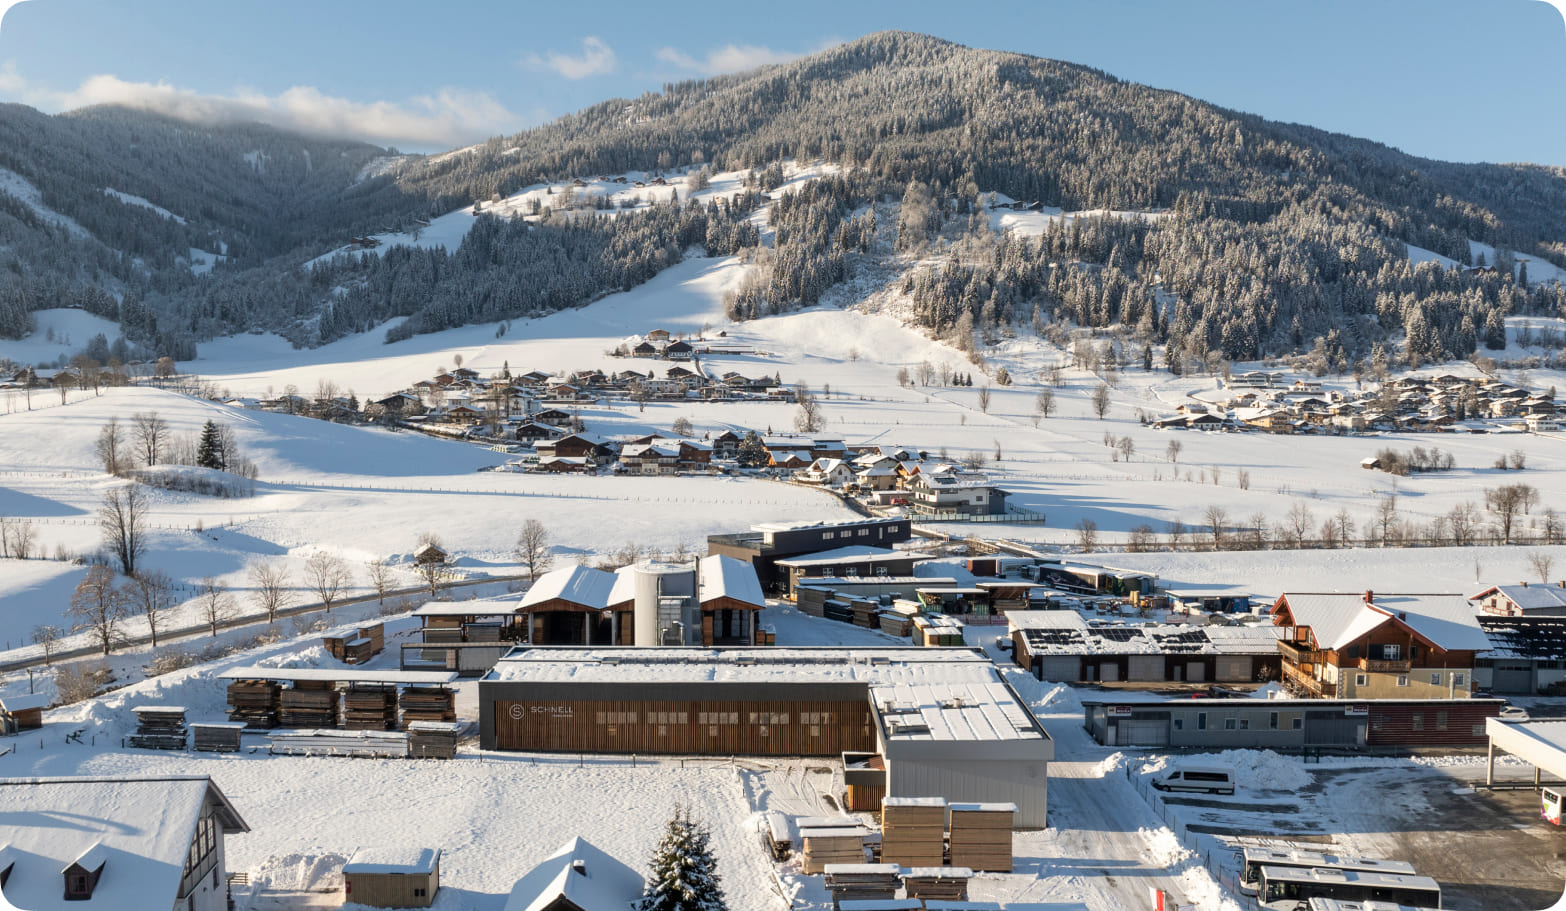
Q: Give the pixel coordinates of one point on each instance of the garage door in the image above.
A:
(1234, 670)
(1145, 667)
(1333, 728)
(1061, 670)
(1109, 671)
(1196, 672)
(1143, 733)
(1512, 677)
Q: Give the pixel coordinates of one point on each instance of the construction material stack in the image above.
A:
(981, 835)
(433, 739)
(428, 703)
(254, 703)
(837, 845)
(217, 737)
(913, 831)
(862, 882)
(360, 744)
(937, 883)
(159, 727)
(309, 704)
(865, 612)
(370, 709)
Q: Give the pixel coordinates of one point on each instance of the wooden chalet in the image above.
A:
(533, 431)
(726, 445)
(644, 349)
(679, 351)
(1371, 646)
(553, 416)
(695, 456)
(651, 458)
(563, 465)
(578, 446)
(578, 877)
(579, 605)
(731, 601)
(1523, 600)
(22, 712)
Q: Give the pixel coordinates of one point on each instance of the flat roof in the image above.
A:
(1542, 743)
(393, 860)
(967, 712)
(609, 664)
(484, 607)
(1060, 635)
(329, 675)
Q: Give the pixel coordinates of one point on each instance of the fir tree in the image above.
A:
(684, 872)
(209, 452)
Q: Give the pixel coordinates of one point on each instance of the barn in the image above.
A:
(22, 713)
(944, 721)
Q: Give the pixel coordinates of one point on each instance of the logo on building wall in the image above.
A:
(1358, 708)
(518, 711)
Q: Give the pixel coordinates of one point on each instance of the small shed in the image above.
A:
(22, 713)
(578, 877)
(392, 877)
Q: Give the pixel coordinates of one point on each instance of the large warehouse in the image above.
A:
(1272, 724)
(944, 721)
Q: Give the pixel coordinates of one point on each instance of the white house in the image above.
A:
(948, 491)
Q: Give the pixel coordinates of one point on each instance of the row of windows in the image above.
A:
(1459, 679)
(863, 533)
(1241, 723)
(714, 718)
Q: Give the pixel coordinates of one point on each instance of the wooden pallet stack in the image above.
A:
(159, 727)
(358, 650)
(811, 601)
(913, 831)
(433, 739)
(862, 882)
(481, 632)
(937, 883)
(865, 612)
(428, 703)
(981, 835)
(376, 634)
(309, 704)
(254, 703)
(897, 620)
(366, 709)
(361, 744)
(844, 845)
(218, 737)
(881, 904)
(766, 635)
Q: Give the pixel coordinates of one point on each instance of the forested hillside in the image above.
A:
(1270, 237)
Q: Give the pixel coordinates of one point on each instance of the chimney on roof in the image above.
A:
(1370, 596)
(1525, 583)
(579, 866)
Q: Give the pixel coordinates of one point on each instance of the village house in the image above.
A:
(595, 449)
(827, 472)
(1370, 646)
(936, 492)
(1523, 600)
(533, 431)
(726, 445)
(128, 843)
(22, 712)
(651, 458)
(578, 877)
(679, 351)
(695, 456)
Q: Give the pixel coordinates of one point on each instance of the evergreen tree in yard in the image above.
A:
(684, 872)
(209, 452)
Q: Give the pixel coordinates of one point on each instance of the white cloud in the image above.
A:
(733, 58)
(448, 118)
(596, 59)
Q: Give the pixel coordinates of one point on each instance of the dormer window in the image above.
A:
(81, 877)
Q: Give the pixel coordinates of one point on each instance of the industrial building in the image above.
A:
(765, 544)
(851, 560)
(943, 721)
(1062, 647)
(1273, 724)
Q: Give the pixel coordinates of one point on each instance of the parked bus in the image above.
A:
(1253, 859)
(1332, 904)
(1292, 888)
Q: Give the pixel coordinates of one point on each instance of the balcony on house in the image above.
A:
(1384, 666)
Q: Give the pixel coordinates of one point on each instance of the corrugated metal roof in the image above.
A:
(578, 584)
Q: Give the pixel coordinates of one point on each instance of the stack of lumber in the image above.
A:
(844, 845)
(376, 634)
(159, 727)
(811, 601)
(859, 882)
(779, 842)
(913, 831)
(981, 835)
(358, 651)
(254, 703)
(898, 620)
(309, 704)
(881, 904)
(482, 632)
(428, 703)
(433, 739)
(766, 635)
(865, 611)
(219, 737)
(436, 636)
(361, 744)
(370, 709)
(935, 630)
(837, 610)
(937, 883)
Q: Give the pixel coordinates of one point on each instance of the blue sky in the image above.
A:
(1452, 79)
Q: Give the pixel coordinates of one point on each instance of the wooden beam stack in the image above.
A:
(376, 633)
(159, 727)
(937, 883)
(865, 612)
(370, 709)
(255, 703)
(433, 739)
(981, 835)
(844, 845)
(428, 703)
(913, 831)
(363, 744)
(309, 704)
(216, 738)
(861, 882)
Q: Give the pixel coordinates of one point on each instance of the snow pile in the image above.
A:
(1163, 848)
(1111, 764)
(1202, 890)
(299, 872)
(1268, 691)
(1254, 769)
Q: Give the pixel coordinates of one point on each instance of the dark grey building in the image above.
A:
(765, 544)
(1289, 724)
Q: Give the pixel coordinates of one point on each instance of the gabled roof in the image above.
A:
(581, 874)
(1446, 621)
(139, 829)
(727, 577)
(393, 860)
(1528, 597)
(578, 584)
(21, 702)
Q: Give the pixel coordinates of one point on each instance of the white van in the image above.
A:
(1198, 779)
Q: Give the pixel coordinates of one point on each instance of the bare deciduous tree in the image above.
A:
(1087, 535)
(380, 575)
(328, 575)
(1506, 502)
(533, 548)
(1127, 446)
(47, 637)
(1172, 451)
(1216, 519)
(150, 594)
(98, 607)
(1142, 539)
(151, 434)
(1299, 522)
(217, 605)
(1101, 401)
(1541, 563)
(122, 519)
(1044, 405)
(984, 398)
(111, 447)
(270, 581)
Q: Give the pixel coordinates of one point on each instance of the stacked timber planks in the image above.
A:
(433, 739)
(881, 904)
(865, 611)
(334, 645)
(937, 883)
(981, 835)
(482, 632)
(159, 727)
(766, 635)
(913, 831)
(358, 651)
(217, 737)
(837, 610)
(811, 601)
(255, 703)
(370, 709)
(376, 634)
(437, 636)
(309, 704)
(844, 845)
(860, 882)
(428, 703)
(360, 744)
(896, 622)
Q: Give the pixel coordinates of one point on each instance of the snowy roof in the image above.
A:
(140, 828)
(1336, 619)
(877, 666)
(583, 875)
(727, 577)
(479, 607)
(578, 584)
(1046, 619)
(330, 675)
(1046, 635)
(393, 860)
(966, 712)
(854, 553)
(1529, 597)
(22, 703)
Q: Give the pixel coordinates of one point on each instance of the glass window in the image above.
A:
(1418, 720)
(1297, 724)
(1361, 679)
(1402, 680)
(1272, 721)
(1201, 721)
(1179, 724)
(1435, 679)
(1459, 679)
(1441, 719)
(1229, 724)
